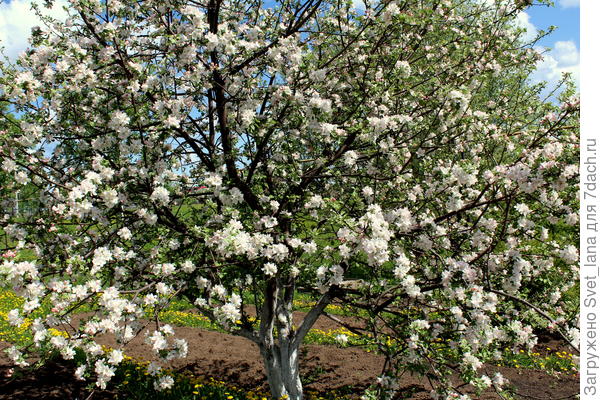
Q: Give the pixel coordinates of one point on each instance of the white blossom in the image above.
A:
(163, 383)
(270, 269)
(160, 195)
(102, 255)
(104, 373)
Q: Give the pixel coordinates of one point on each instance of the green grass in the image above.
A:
(133, 383)
(551, 361)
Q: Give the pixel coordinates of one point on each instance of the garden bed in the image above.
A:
(326, 370)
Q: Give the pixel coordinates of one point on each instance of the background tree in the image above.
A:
(16, 199)
(232, 152)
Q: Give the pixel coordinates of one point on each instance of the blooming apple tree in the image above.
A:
(234, 152)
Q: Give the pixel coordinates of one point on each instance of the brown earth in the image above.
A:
(236, 360)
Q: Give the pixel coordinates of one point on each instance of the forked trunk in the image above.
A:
(279, 341)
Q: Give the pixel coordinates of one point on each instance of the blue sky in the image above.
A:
(16, 20)
(564, 42)
(565, 15)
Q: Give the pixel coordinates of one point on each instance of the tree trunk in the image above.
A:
(279, 341)
(283, 374)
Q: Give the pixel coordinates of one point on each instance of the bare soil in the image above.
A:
(236, 360)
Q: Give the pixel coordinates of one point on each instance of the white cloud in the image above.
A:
(563, 57)
(566, 52)
(568, 3)
(16, 20)
(523, 21)
(358, 4)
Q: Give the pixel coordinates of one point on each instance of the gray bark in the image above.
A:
(280, 352)
(281, 365)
